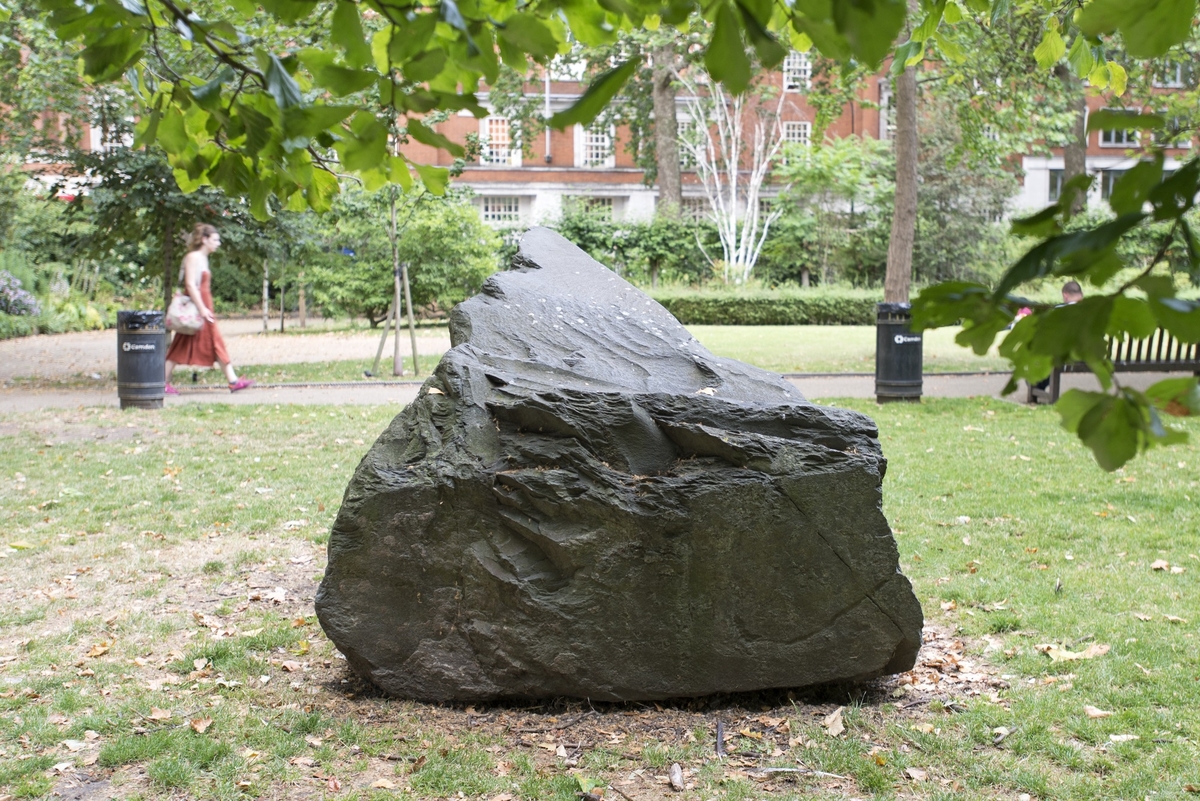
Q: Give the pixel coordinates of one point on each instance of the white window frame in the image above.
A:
(797, 72)
(684, 131)
(695, 208)
(590, 203)
(1176, 82)
(582, 149)
(798, 132)
(1131, 137)
(500, 209)
(490, 157)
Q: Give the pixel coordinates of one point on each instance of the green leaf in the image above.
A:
(930, 24)
(208, 95)
(1098, 77)
(346, 32)
(307, 122)
(1148, 28)
(288, 11)
(1001, 9)
(172, 134)
(1193, 248)
(599, 93)
(1079, 249)
(321, 191)
(726, 58)
(280, 84)
(530, 35)
(1111, 428)
(427, 136)
(1109, 119)
(953, 13)
(1117, 78)
(1132, 190)
(869, 27)
(365, 147)
(436, 179)
(949, 48)
(1080, 57)
(426, 66)
(1044, 223)
(1178, 396)
(1132, 316)
(1050, 50)
(907, 55)
(1177, 194)
(1180, 317)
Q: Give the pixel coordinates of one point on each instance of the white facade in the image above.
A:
(1043, 178)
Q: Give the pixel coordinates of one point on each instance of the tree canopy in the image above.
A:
(276, 102)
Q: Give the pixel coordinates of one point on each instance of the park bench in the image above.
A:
(1158, 353)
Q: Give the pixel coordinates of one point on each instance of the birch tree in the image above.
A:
(733, 140)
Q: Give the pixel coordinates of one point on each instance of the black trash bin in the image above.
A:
(141, 359)
(898, 356)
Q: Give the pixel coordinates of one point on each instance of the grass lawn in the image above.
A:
(157, 636)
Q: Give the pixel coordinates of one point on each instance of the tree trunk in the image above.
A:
(303, 303)
(282, 295)
(904, 215)
(412, 323)
(1075, 152)
(805, 280)
(666, 133)
(266, 304)
(168, 258)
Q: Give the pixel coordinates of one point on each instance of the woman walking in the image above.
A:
(207, 345)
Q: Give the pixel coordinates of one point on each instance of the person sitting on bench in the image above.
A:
(1071, 293)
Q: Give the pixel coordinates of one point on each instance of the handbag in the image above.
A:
(183, 317)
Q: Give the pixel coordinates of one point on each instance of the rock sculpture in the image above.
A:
(583, 501)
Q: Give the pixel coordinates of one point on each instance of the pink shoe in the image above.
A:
(170, 390)
(241, 384)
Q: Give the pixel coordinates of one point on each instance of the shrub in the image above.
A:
(825, 306)
(14, 300)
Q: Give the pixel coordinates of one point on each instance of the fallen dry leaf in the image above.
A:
(20, 545)
(833, 722)
(676, 778)
(503, 797)
(1160, 564)
(200, 725)
(99, 649)
(1176, 569)
(74, 745)
(159, 714)
(291, 666)
(1142, 617)
(916, 774)
(384, 784)
(1059, 654)
(1096, 714)
(1174, 619)
(1123, 738)
(60, 768)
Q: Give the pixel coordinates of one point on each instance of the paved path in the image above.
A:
(65, 355)
(400, 393)
(56, 356)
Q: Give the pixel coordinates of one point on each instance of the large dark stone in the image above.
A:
(584, 501)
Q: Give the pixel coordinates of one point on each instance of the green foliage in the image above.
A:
(824, 306)
(250, 108)
(450, 252)
(671, 251)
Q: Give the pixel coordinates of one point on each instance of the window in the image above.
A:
(1056, 185)
(1108, 180)
(1171, 75)
(594, 147)
(497, 143)
(600, 206)
(694, 208)
(887, 113)
(1120, 137)
(797, 72)
(501, 209)
(797, 132)
(687, 136)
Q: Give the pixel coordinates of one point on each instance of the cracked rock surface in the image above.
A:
(583, 501)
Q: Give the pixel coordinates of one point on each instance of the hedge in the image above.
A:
(772, 307)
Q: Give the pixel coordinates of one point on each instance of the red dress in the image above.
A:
(206, 346)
